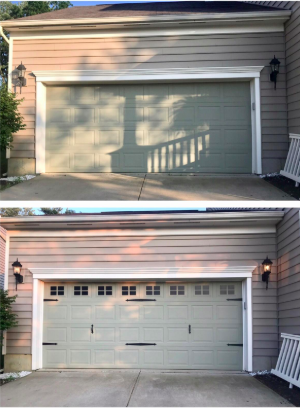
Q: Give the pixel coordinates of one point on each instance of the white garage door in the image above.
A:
(190, 127)
(143, 325)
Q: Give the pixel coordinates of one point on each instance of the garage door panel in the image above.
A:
(190, 323)
(105, 312)
(131, 128)
(153, 334)
(104, 334)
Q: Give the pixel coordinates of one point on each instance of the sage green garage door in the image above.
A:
(143, 325)
(190, 127)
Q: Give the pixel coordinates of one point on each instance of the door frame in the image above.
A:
(42, 275)
(170, 75)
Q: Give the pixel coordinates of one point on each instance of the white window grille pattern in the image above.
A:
(202, 290)
(292, 164)
(227, 290)
(177, 290)
(288, 363)
(104, 290)
(128, 290)
(57, 290)
(81, 290)
(152, 290)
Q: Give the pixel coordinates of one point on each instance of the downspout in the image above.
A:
(8, 42)
(3, 35)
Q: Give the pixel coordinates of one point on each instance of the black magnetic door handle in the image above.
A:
(190, 329)
(141, 300)
(140, 344)
(92, 328)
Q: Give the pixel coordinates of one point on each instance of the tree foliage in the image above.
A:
(11, 121)
(56, 211)
(9, 11)
(15, 212)
(7, 317)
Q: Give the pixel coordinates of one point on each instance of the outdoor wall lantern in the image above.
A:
(17, 272)
(18, 76)
(274, 70)
(267, 265)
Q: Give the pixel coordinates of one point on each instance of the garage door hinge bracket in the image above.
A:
(235, 345)
(140, 344)
(49, 344)
(235, 300)
(140, 300)
(50, 300)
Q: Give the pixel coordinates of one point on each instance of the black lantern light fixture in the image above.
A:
(17, 272)
(274, 63)
(18, 76)
(267, 265)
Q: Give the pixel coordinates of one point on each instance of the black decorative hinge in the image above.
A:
(140, 344)
(49, 344)
(235, 300)
(235, 345)
(50, 300)
(141, 300)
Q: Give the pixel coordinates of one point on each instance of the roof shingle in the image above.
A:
(149, 9)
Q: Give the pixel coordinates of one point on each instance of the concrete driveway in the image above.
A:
(135, 388)
(141, 186)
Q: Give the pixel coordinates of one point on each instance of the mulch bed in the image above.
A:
(281, 387)
(285, 184)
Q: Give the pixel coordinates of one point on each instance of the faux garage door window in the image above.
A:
(57, 290)
(226, 289)
(104, 290)
(202, 290)
(176, 290)
(152, 290)
(128, 290)
(81, 290)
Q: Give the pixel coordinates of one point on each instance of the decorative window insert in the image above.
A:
(152, 290)
(128, 290)
(104, 290)
(177, 290)
(227, 290)
(201, 290)
(57, 290)
(81, 290)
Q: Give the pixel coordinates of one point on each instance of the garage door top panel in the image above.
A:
(190, 127)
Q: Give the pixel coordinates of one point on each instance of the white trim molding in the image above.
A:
(243, 273)
(217, 272)
(251, 74)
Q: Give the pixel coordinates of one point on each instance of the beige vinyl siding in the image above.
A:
(289, 272)
(146, 251)
(162, 52)
(2, 255)
(292, 33)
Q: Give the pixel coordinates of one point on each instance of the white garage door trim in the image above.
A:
(44, 78)
(69, 275)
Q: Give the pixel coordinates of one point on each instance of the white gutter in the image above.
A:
(204, 216)
(3, 35)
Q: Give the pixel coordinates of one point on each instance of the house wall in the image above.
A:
(292, 36)
(2, 256)
(288, 241)
(150, 251)
(156, 52)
